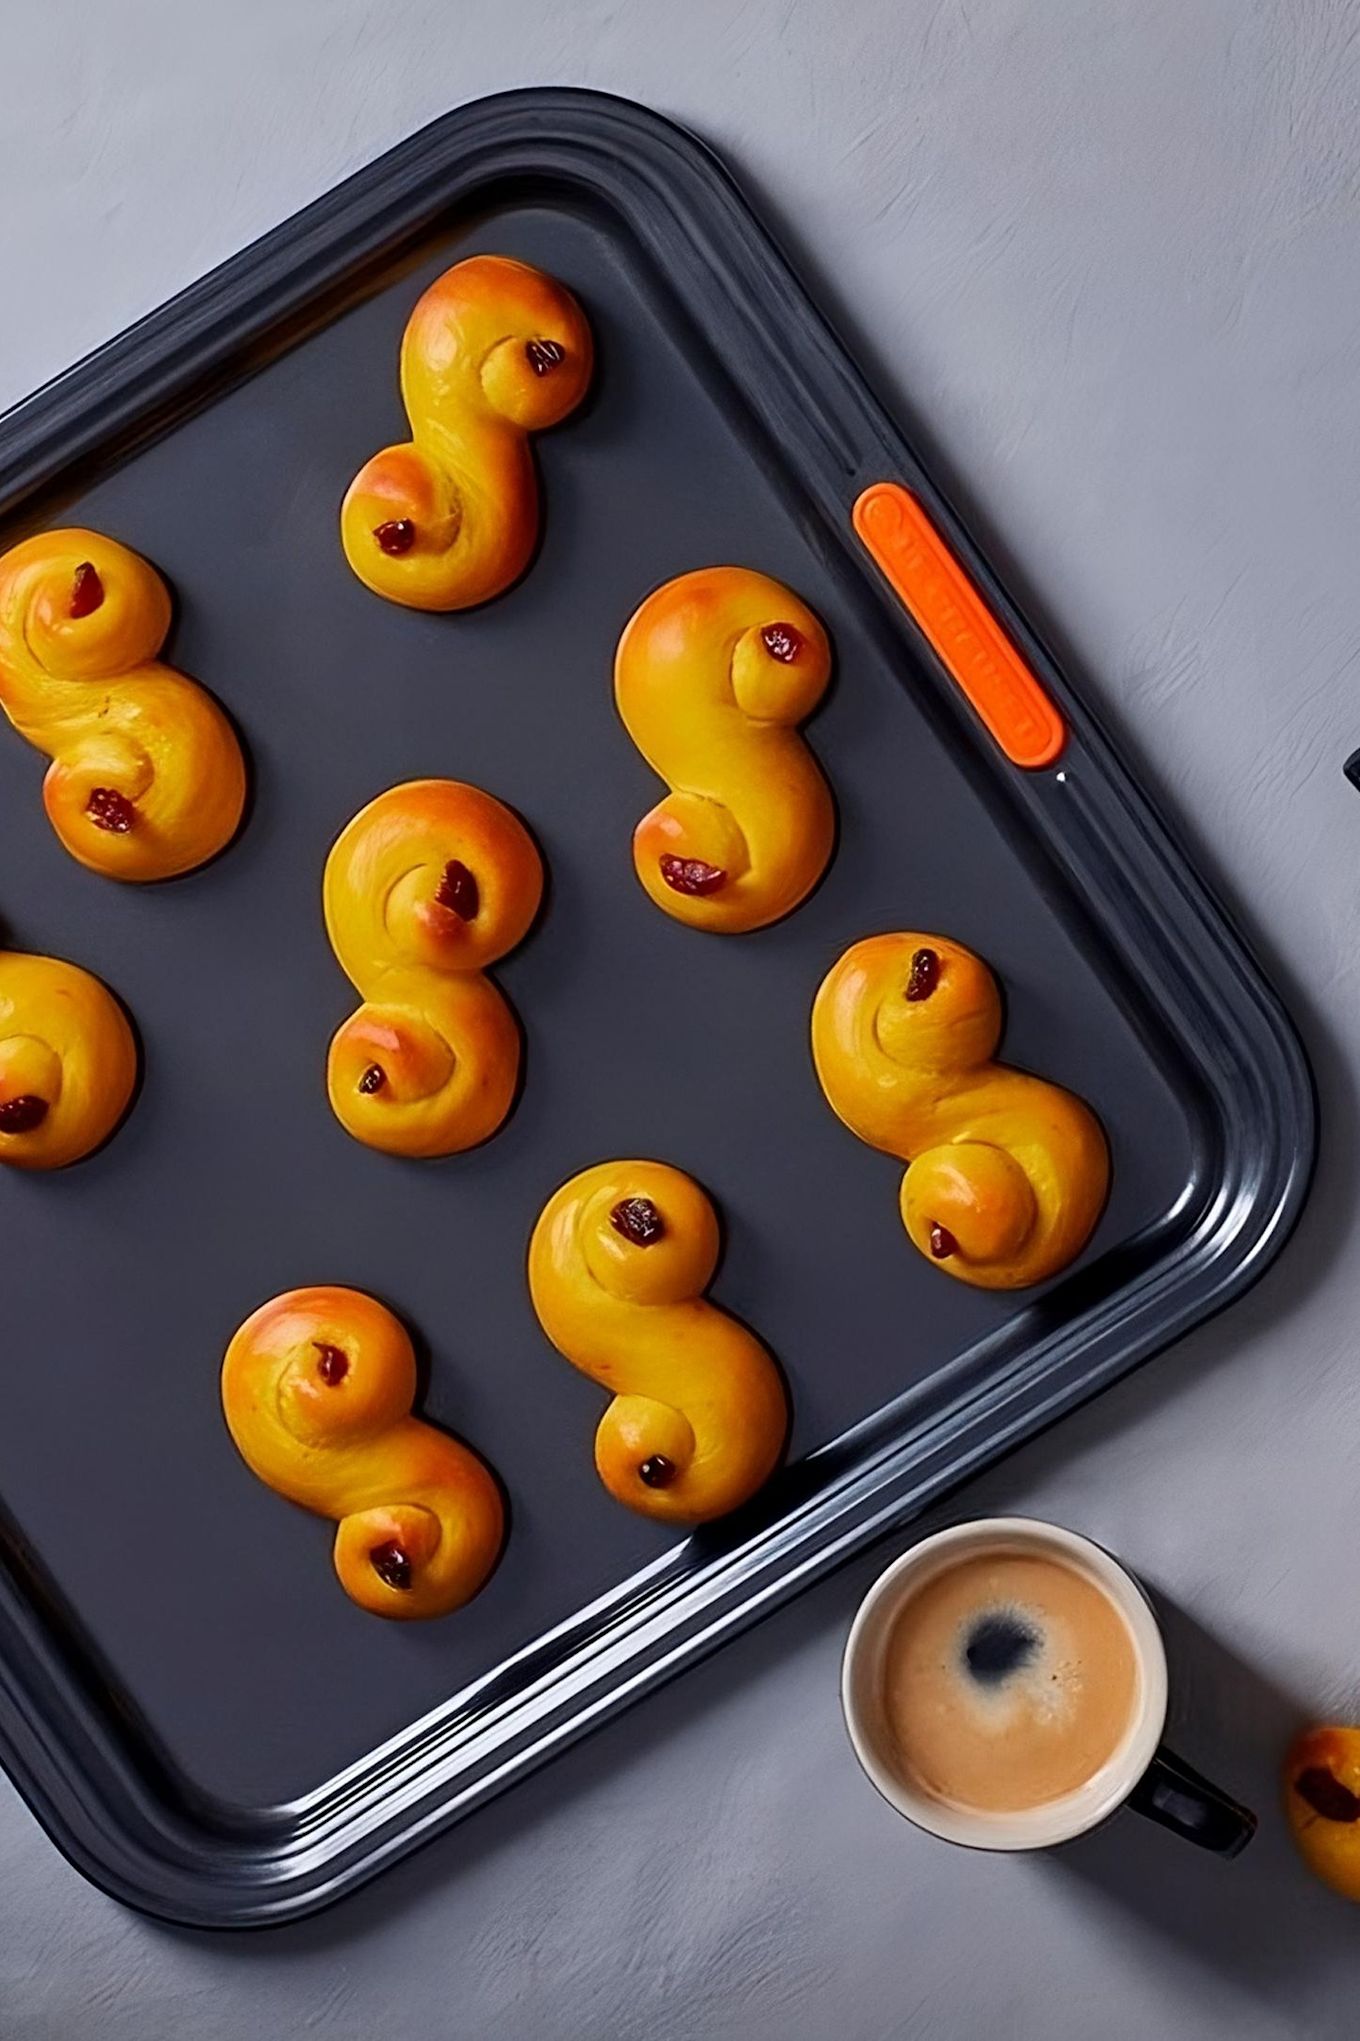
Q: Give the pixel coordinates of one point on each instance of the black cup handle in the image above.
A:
(1183, 1800)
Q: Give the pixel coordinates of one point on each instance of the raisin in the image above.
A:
(925, 975)
(391, 1565)
(1327, 1795)
(657, 1472)
(333, 1365)
(396, 537)
(544, 356)
(638, 1220)
(782, 642)
(942, 1243)
(87, 590)
(108, 809)
(691, 875)
(458, 890)
(22, 1115)
(373, 1079)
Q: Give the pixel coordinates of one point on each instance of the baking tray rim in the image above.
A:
(123, 1818)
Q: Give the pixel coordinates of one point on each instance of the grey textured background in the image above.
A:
(1104, 251)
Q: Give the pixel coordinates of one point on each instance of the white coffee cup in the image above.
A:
(1139, 1772)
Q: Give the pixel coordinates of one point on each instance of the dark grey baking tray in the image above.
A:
(198, 1715)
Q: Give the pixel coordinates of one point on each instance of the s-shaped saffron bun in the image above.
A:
(429, 884)
(68, 1062)
(1007, 1173)
(618, 1266)
(317, 1389)
(713, 675)
(493, 352)
(147, 778)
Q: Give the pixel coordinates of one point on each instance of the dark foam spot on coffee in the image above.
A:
(996, 1644)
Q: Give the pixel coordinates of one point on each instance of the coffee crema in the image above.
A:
(1009, 1680)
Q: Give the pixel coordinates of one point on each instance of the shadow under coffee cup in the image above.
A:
(1005, 1687)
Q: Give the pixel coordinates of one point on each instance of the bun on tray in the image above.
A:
(618, 1265)
(1007, 1173)
(493, 351)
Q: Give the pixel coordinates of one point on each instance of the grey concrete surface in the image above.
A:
(1105, 252)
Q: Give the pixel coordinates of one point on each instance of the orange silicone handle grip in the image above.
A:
(965, 635)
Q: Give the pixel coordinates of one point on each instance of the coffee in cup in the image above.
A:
(1009, 1679)
(1005, 1686)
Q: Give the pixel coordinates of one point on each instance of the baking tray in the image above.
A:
(200, 1718)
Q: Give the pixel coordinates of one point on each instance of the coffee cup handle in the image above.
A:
(1183, 1800)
